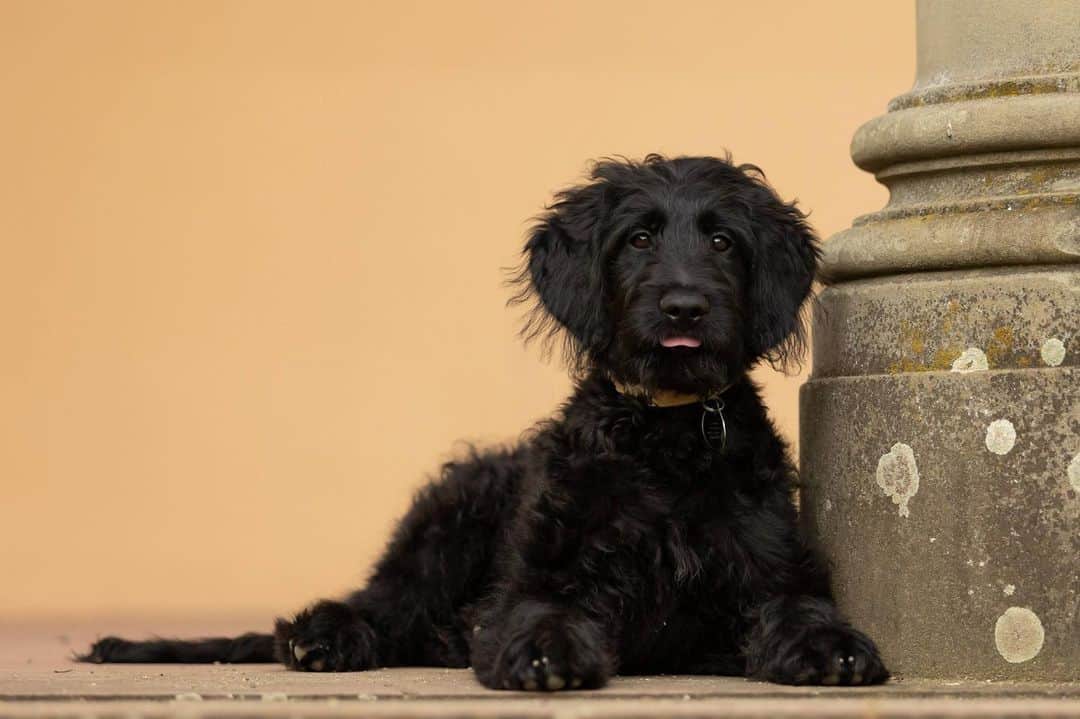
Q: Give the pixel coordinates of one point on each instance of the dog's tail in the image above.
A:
(246, 649)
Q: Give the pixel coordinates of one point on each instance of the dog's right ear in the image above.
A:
(563, 268)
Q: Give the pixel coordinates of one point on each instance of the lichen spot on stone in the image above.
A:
(1008, 590)
(1052, 351)
(898, 476)
(972, 359)
(1074, 473)
(1019, 635)
(1000, 436)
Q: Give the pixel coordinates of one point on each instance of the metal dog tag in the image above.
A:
(713, 426)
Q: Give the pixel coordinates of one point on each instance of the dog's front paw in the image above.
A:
(549, 653)
(830, 655)
(328, 637)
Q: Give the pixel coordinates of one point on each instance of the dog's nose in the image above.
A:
(684, 306)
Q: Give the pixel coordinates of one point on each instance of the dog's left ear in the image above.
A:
(783, 264)
(563, 267)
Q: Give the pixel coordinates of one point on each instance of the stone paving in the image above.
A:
(37, 678)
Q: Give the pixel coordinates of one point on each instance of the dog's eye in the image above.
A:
(641, 239)
(721, 241)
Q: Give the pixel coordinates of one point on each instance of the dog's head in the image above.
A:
(671, 274)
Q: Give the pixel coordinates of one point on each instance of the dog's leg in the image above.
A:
(556, 619)
(438, 562)
(796, 633)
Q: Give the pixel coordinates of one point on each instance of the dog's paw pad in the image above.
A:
(555, 682)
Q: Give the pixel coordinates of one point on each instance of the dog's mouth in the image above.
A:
(680, 341)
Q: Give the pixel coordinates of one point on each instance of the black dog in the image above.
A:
(649, 527)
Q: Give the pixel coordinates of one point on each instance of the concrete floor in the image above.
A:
(37, 678)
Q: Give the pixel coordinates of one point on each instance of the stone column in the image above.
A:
(941, 423)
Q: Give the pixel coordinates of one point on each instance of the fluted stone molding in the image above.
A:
(941, 423)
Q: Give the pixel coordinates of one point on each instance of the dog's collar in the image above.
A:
(666, 397)
(713, 425)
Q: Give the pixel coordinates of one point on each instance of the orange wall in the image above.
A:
(250, 285)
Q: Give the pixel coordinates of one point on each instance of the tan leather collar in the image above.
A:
(666, 397)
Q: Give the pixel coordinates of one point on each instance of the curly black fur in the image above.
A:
(614, 538)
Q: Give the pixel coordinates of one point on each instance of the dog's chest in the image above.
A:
(687, 586)
(685, 536)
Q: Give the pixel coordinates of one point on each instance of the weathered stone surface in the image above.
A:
(987, 518)
(925, 322)
(972, 42)
(974, 126)
(941, 423)
(986, 234)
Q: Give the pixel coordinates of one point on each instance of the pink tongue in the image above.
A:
(680, 342)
